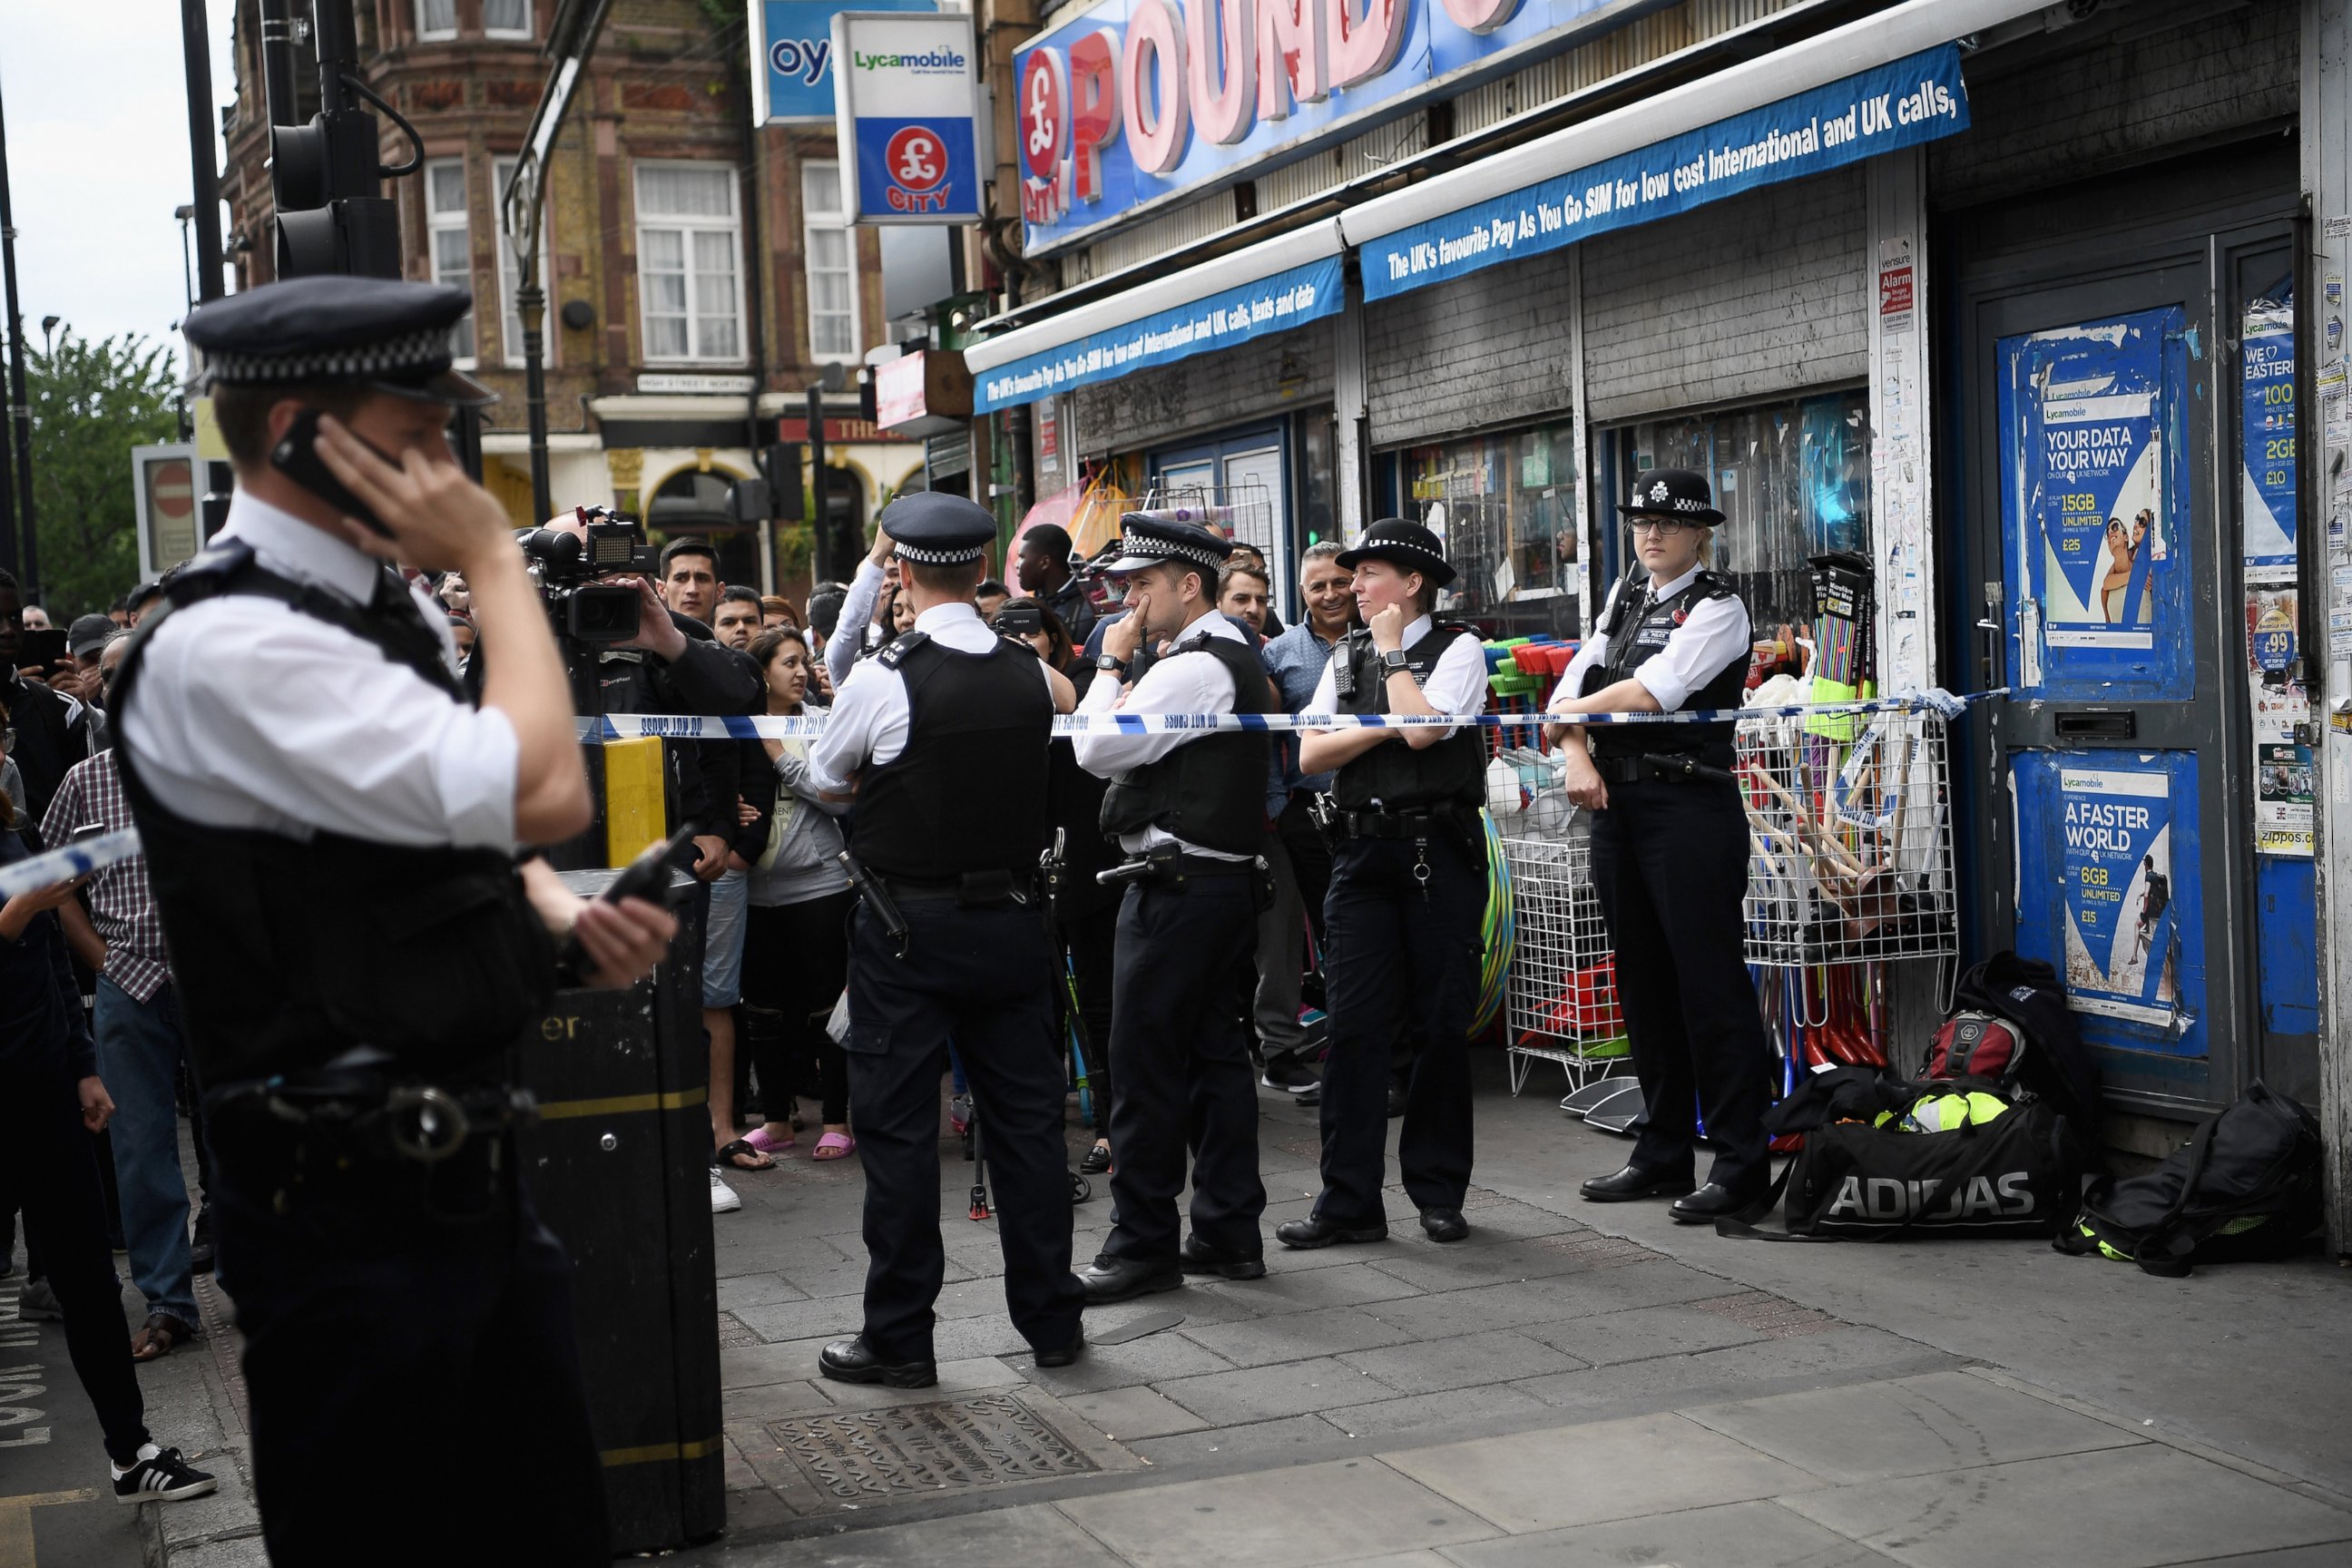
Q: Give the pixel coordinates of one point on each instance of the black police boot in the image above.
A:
(1633, 1182)
(1063, 1355)
(854, 1360)
(201, 1251)
(1198, 1258)
(1314, 1231)
(1109, 1279)
(1715, 1201)
(1444, 1225)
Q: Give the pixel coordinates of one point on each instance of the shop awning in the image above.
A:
(1283, 282)
(1876, 85)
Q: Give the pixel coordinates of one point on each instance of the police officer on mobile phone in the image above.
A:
(944, 733)
(1670, 852)
(1408, 892)
(1187, 809)
(331, 828)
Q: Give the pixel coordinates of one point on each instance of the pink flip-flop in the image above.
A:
(834, 1146)
(759, 1139)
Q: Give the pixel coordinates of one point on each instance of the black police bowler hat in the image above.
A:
(382, 334)
(931, 528)
(1402, 544)
(1677, 493)
(1146, 540)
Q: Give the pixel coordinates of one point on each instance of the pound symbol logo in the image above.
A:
(916, 160)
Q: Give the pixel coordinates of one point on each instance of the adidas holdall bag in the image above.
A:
(1959, 1163)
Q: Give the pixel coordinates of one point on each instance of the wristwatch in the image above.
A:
(1110, 662)
(1392, 660)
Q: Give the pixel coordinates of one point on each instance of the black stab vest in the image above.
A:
(288, 953)
(1636, 631)
(1393, 774)
(968, 794)
(1211, 790)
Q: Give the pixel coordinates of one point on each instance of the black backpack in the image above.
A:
(2246, 1185)
(2056, 1065)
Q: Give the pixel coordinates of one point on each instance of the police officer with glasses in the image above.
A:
(943, 734)
(1408, 892)
(331, 828)
(1670, 852)
(1188, 807)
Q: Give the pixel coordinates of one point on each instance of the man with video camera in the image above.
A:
(331, 828)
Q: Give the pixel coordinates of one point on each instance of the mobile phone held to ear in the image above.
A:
(297, 457)
(647, 876)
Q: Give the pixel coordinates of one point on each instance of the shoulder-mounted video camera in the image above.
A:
(568, 568)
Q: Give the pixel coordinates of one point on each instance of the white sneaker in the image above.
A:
(723, 1198)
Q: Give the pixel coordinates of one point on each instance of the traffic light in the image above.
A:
(321, 230)
(323, 175)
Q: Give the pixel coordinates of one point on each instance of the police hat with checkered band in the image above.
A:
(378, 333)
(1405, 545)
(1146, 540)
(932, 528)
(1677, 494)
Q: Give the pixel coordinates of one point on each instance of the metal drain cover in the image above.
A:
(908, 1450)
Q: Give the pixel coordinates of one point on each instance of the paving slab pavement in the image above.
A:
(1575, 1384)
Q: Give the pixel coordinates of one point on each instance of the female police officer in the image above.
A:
(1670, 852)
(1408, 886)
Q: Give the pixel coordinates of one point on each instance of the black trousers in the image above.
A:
(983, 976)
(795, 961)
(50, 1162)
(1180, 1053)
(1401, 952)
(1670, 863)
(377, 1333)
(1092, 942)
(1310, 858)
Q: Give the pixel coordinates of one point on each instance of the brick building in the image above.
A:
(699, 274)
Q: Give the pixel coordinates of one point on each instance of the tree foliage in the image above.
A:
(91, 402)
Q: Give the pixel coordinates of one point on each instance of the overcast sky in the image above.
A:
(96, 97)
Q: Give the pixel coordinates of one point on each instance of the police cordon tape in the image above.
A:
(112, 849)
(771, 727)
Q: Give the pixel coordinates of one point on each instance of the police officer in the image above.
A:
(944, 733)
(1189, 809)
(1670, 851)
(1408, 892)
(330, 830)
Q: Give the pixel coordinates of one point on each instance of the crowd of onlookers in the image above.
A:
(775, 950)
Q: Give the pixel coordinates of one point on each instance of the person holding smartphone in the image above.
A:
(331, 829)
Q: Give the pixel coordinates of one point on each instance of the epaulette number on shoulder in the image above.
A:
(207, 571)
(1714, 585)
(905, 643)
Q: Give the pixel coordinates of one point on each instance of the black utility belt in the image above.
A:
(359, 1118)
(1678, 767)
(1418, 822)
(974, 889)
(1169, 865)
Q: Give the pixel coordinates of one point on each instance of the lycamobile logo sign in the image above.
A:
(929, 60)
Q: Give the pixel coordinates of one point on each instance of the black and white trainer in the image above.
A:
(161, 1476)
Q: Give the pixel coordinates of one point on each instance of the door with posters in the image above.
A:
(2105, 396)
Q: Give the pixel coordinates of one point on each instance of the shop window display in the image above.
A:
(1505, 506)
(1792, 479)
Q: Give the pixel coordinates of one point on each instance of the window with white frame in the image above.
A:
(450, 241)
(831, 264)
(689, 270)
(509, 279)
(506, 18)
(436, 18)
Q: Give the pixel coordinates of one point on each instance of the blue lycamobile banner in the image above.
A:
(2117, 873)
(1915, 99)
(2266, 357)
(1288, 299)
